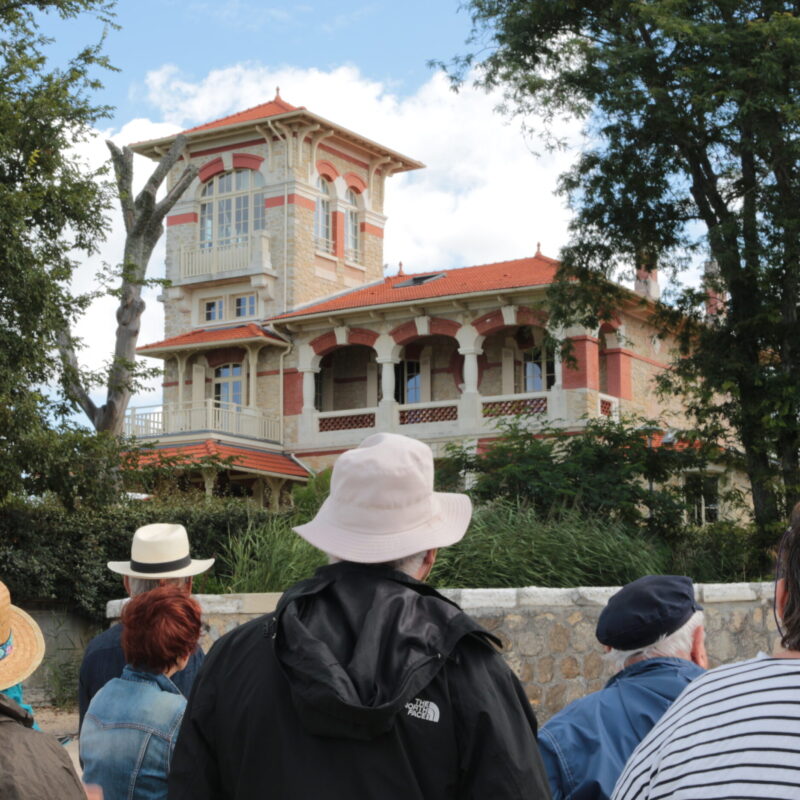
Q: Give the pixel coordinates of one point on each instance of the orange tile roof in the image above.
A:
(242, 457)
(538, 270)
(211, 336)
(270, 109)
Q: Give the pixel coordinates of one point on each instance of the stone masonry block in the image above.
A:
(727, 593)
(538, 596)
(594, 595)
(488, 598)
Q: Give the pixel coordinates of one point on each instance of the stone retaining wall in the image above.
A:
(548, 634)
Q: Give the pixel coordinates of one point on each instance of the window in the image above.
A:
(352, 231)
(231, 208)
(407, 382)
(323, 235)
(537, 371)
(245, 306)
(213, 310)
(702, 498)
(228, 386)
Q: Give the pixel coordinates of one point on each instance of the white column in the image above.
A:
(181, 376)
(386, 418)
(253, 364)
(469, 406)
(470, 370)
(308, 389)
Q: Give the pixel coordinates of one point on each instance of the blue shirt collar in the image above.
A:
(650, 664)
(129, 673)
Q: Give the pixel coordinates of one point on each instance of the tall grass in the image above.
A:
(509, 545)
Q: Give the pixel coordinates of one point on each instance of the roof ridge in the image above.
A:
(279, 101)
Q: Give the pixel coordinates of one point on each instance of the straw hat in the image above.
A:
(382, 505)
(21, 642)
(160, 551)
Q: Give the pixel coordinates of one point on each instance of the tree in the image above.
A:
(692, 116)
(143, 218)
(53, 213)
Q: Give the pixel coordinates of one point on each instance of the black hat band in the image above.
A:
(161, 566)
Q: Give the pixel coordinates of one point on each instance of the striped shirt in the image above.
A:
(732, 733)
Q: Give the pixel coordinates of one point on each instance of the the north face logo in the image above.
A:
(423, 709)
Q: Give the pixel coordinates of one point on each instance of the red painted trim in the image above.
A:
(362, 336)
(349, 159)
(324, 343)
(372, 230)
(327, 170)
(292, 393)
(170, 383)
(293, 199)
(585, 374)
(247, 161)
(226, 147)
(526, 316)
(209, 170)
(444, 327)
(338, 234)
(653, 362)
(405, 332)
(181, 219)
(355, 182)
(320, 452)
(493, 321)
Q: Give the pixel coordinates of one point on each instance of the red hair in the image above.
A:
(160, 627)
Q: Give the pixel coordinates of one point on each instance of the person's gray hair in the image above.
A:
(674, 645)
(409, 565)
(142, 585)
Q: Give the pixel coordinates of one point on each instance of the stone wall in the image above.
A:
(548, 634)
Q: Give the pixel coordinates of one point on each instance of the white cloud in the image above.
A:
(482, 197)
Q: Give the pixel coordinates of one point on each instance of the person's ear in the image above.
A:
(427, 564)
(699, 655)
(781, 597)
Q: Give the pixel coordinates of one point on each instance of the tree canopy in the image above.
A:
(53, 215)
(691, 111)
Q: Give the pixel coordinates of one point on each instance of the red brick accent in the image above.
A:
(585, 374)
(226, 147)
(489, 323)
(444, 327)
(334, 152)
(338, 233)
(362, 336)
(324, 343)
(225, 355)
(527, 316)
(457, 368)
(618, 373)
(214, 167)
(247, 161)
(327, 170)
(181, 219)
(372, 230)
(406, 332)
(355, 182)
(169, 383)
(293, 199)
(292, 393)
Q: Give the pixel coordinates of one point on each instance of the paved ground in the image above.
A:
(60, 723)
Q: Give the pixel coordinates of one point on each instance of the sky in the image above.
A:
(486, 194)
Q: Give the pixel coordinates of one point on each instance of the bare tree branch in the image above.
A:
(72, 376)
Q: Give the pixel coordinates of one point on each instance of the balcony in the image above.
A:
(149, 422)
(244, 256)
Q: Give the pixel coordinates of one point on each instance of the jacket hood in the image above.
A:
(357, 642)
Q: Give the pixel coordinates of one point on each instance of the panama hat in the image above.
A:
(21, 642)
(382, 505)
(160, 551)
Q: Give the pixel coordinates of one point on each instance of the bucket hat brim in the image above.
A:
(369, 547)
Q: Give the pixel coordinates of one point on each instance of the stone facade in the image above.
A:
(548, 634)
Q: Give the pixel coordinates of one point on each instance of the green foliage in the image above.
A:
(613, 470)
(53, 213)
(511, 544)
(691, 151)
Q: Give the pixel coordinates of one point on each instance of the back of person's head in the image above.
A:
(789, 570)
(139, 586)
(160, 627)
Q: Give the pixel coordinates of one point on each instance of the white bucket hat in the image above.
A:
(382, 506)
(160, 551)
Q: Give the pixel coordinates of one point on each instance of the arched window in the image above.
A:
(407, 382)
(323, 232)
(228, 386)
(231, 208)
(352, 232)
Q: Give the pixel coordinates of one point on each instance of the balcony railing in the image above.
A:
(245, 254)
(151, 421)
(419, 413)
(352, 255)
(324, 245)
(507, 405)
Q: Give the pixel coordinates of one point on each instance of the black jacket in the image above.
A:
(363, 684)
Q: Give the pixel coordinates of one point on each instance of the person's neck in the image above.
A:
(787, 654)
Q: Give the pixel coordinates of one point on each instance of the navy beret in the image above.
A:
(643, 611)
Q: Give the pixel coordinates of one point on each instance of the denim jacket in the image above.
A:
(585, 746)
(129, 734)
